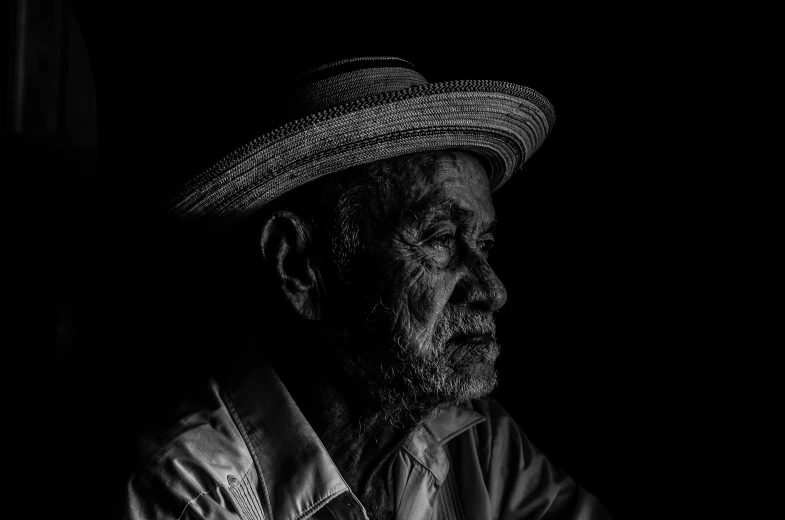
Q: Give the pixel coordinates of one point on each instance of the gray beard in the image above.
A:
(411, 383)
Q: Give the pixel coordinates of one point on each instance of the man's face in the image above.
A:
(430, 307)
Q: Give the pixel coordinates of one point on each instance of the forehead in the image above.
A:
(456, 181)
(463, 171)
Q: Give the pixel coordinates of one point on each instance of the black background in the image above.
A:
(599, 235)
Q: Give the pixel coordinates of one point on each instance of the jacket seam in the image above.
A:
(197, 498)
(247, 439)
(238, 489)
(217, 484)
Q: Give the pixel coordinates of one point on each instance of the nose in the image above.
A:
(479, 287)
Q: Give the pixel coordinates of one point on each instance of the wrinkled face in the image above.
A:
(434, 293)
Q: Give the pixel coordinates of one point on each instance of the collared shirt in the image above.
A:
(244, 450)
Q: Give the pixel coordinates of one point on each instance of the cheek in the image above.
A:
(417, 296)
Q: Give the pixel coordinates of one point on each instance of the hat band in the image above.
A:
(348, 86)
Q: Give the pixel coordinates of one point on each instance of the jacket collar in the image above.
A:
(296, 474)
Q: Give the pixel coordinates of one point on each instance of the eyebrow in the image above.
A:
(449, 209)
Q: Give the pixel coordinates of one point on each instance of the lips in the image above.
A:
(469, 349)
(479, 337)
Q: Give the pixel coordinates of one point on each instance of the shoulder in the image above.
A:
(520, 480)
(504, 448)
(201, 456)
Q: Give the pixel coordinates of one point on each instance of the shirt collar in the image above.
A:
(426, 445)
(296, 474)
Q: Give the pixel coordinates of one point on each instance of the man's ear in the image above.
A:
(288, 250)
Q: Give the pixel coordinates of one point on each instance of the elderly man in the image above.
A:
(373, 220)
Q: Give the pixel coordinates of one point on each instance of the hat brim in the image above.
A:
(504, 122)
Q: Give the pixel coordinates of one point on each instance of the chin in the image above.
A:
(470, 372)
(410, 387)
(480, 380)
(477, 382)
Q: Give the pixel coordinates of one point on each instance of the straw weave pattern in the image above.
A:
(368, 117)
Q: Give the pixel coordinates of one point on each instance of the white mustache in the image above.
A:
(462, 321)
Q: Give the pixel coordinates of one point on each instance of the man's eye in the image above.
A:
(486, 245)
(445, 240)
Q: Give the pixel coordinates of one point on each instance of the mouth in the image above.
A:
(473, 338)
(473, 349)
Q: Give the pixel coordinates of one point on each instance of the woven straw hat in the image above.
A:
(361, 110)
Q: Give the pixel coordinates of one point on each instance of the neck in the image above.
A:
(355, 431)
(361, 443)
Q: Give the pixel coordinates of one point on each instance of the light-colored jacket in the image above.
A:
(243, 450)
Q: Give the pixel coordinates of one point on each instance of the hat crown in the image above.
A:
(342, 81)
(361, 110)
